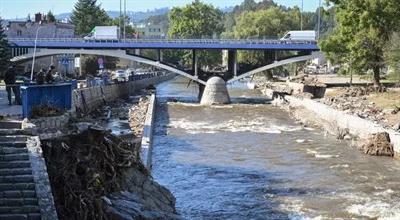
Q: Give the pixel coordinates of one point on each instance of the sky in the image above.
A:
(11, 9)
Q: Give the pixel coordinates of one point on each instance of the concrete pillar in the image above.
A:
(232, 63)
(201, 91)
(159, 55)
(215, 92)
(137, 52)
(195, 63)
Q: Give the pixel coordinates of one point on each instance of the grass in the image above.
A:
(386, 100)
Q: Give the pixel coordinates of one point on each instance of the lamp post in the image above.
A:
(34, 50)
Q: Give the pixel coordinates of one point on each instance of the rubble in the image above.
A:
(97, 175)
(137, 116)
(378, 145)
(354, 101)
(45, 111)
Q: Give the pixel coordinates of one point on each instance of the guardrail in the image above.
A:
(197, 41)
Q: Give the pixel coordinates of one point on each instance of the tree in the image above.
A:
(5, 53)
(86, 15)
(361, 35)
(50, 17)
(197, 20)
(392, 57)
(91, 66)
(268, 23)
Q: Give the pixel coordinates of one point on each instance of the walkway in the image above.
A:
(14, 111)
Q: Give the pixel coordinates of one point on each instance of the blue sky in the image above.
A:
(21, 8)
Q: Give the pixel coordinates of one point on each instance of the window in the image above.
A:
(19, 33)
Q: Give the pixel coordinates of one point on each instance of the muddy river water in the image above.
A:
(252, 161)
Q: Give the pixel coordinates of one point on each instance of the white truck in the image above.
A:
(103, 33)
(300, 35)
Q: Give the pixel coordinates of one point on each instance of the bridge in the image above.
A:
(127, 49)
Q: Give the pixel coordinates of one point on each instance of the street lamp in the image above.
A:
(34, 50)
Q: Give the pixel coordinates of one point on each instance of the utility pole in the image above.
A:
(124, 19)
(120, 19)
(301, 14)
(319, 20)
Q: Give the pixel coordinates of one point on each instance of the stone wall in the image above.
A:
(56, 122)
(41, 178)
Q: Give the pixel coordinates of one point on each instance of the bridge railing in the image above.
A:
(177, 41)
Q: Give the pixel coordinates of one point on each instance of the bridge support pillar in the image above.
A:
(195, 63)
(137, 52)
(159, 55)
(232, 63)
(215, 92)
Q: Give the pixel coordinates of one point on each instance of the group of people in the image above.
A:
(12, 87)
(45, 76)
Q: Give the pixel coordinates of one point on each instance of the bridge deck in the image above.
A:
(167, 44)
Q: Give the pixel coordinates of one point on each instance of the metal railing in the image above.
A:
(175, 41)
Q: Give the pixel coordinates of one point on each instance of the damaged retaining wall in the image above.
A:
(355, 125)
(87, 99)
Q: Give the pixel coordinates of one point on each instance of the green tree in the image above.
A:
(392, 57)
(5, 53)
(86, 15)
(91, 66)
(197, 20)
(269, 23)
(50, 17)
(362, 32)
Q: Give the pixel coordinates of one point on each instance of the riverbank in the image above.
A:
(96, 170)
(335, 121)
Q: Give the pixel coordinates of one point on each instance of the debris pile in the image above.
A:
(306, 80)
(356, 106)
(378, 145)
(354, 101)
(137, 116)
(89, 170)
(45, 111)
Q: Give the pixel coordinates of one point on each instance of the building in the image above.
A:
(28, 28)
(151, 31)
(44, 29)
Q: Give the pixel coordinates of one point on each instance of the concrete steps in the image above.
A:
(18, 198)
(20, 217)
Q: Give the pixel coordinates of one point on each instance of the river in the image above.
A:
(245, 161)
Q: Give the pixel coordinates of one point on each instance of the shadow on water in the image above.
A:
(216, 190)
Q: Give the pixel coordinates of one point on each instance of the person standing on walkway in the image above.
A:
(49, 75)
(9, 80)
(40, 77)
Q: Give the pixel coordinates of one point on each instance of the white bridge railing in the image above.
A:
(194, 41)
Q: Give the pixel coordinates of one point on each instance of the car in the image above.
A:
(121, 76)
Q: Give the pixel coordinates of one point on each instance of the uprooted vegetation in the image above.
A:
(84, 167)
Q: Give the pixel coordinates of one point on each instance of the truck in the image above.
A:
(300, 35)
(103, 33)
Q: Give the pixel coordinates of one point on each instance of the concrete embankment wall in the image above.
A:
(355, 125)
(147, 138)
(87, 99)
